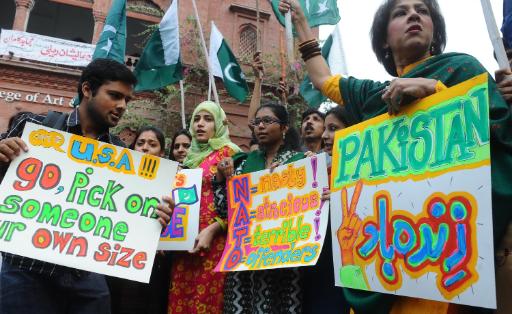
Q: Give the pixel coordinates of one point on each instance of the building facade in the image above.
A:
(29, 85)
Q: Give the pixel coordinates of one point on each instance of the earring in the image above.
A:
(387, 55)
(284, 136)
(432, 47)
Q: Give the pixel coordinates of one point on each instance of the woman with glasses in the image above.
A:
(195, 287)
(262, 291)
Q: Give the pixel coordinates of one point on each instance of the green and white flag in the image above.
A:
(333, 54)
(160, 63)
(225, 66)
(112, 42)
(318, 12)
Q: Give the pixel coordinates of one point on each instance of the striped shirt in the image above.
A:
(72, 125)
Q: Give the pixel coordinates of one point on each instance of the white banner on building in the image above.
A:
(45, 48)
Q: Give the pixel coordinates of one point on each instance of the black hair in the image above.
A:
(180, 132)
(158, 133)
(505, 43)
(311, 111)
(378, 32)
(254, 140)
(341, 113)
(101, 71)
(292, 137)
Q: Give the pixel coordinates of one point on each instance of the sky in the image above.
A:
(465, 27)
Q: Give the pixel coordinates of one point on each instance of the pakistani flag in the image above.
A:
(335, 60)
(318, 12)
(225, 66)
(112, 42)
(160, 63)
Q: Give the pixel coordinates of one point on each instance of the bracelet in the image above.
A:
(309, 51)
(307, 42)
(221, 223)
(304, 50)
(312, 55)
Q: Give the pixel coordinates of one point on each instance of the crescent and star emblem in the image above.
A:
(227, 73)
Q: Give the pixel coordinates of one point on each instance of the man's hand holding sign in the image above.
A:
(77, 202)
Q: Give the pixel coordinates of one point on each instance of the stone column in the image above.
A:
(23, 8)
(99, 22)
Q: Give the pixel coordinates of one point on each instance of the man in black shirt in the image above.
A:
(32, 286)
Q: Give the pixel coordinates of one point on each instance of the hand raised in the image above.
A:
(257, 65)
(294, 6)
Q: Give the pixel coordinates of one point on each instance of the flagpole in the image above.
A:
(283, 61)
(494, 35)
(203, 42)
(289, 36)
(209, 88)
(258, 44)
(182, 92)
(344, 68)
(282, 55)
(258, 41)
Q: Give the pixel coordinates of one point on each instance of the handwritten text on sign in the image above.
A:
(414, 195)
(182, 231)
(276, 219)
(81, 203)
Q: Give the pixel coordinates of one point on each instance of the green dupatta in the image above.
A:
(363, 101)
(255, 160)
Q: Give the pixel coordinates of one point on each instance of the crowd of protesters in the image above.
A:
(408, 38)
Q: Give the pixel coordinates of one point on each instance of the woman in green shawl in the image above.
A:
(195, 287)
(408, 38)
(262, 291)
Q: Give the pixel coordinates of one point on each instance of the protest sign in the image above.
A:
(413, 213)
(277, 219)
(183, 229)
(85, 204)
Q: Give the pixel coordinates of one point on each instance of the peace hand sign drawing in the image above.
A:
(350, 225)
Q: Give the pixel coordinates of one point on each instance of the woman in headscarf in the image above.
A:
(195, 287)
(408, 38)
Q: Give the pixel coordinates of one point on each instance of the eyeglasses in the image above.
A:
(265, 120)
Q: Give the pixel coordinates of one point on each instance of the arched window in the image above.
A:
(247, 42)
